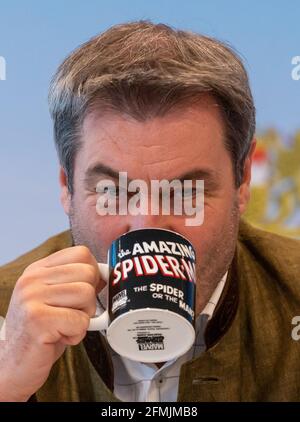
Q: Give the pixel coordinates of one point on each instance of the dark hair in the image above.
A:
(145, 70)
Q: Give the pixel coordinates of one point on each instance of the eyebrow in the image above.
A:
(100, 169)
(210, 177)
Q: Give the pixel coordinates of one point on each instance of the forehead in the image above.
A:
(160, 146)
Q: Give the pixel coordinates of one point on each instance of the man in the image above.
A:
(158, 104)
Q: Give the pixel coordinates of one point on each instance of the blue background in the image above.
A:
(35, 37)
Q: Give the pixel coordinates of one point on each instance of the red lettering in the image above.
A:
(174, 264)
(127, 266)
(149, 264)
(163, 265)
(189, 269)
(116, 274)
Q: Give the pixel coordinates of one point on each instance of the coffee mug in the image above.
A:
(150, 314)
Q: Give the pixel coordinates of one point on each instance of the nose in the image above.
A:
(150, 221)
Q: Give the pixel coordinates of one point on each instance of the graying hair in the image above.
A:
(145, 70)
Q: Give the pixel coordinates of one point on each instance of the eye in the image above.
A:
(187, 193)
(114, 191)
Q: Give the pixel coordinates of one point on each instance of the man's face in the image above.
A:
(189, 141)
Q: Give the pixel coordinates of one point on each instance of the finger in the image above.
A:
(72, 340)
(70, 273)
(74, 254)
(78, 295)
(59, 323)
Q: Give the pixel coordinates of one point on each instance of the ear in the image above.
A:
(65, 196)
(244, 189)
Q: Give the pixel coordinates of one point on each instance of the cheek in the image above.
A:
(99, 228)
(110, 228)
(218, 222)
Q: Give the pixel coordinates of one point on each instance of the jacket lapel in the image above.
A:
(215, 375)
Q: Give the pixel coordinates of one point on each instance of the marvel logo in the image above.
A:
(151, 343)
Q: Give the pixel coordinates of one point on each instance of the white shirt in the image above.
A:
(145, 382)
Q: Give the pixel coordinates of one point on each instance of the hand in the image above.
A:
(50, 308)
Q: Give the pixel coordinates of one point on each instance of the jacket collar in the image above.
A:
(226, 308)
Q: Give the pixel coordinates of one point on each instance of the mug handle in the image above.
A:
(101, 322)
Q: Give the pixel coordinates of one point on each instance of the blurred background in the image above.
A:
(36, 36)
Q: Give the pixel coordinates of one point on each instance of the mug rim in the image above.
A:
(157, 228)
